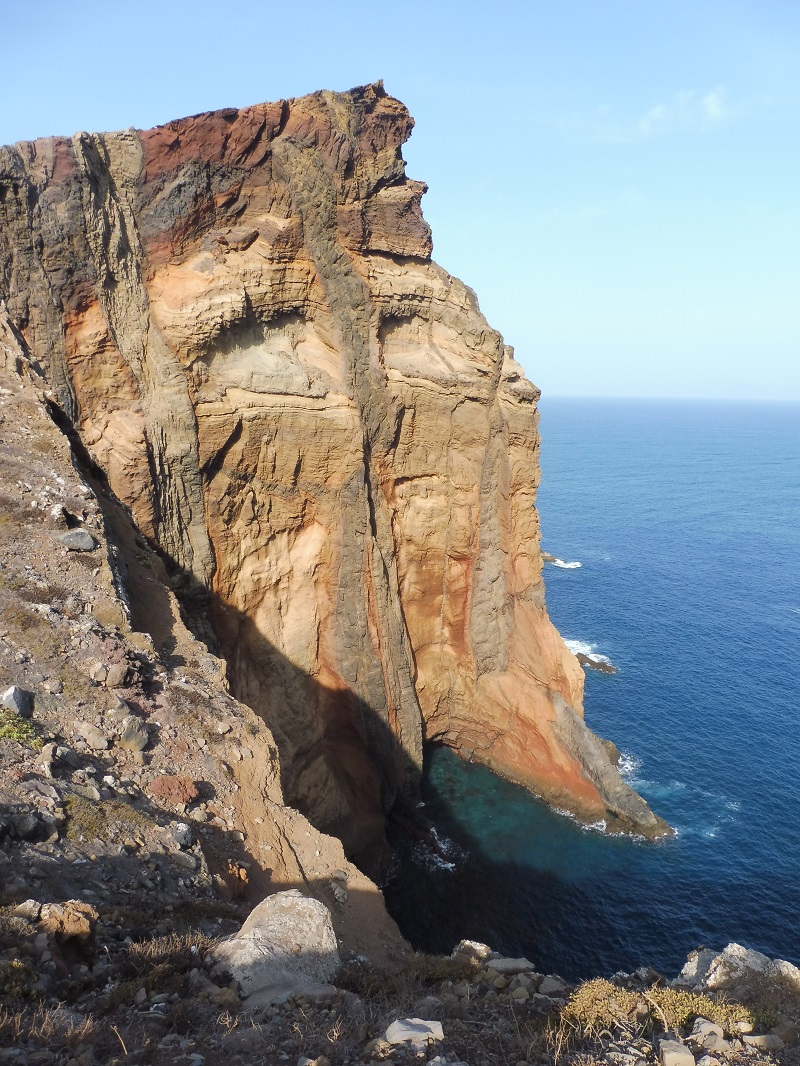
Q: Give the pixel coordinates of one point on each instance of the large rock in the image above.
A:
(70, 922)
(287, 945)
(318, 427)
(735, 966)
(18, 701)
(415, 1033)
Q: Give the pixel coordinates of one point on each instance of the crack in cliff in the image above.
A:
(109, 165)
(37, 295)
(314, 199)
(491, 603)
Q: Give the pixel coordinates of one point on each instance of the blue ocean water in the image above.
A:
(685, 517)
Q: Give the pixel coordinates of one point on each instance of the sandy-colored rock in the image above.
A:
(323, 435)
(71, 921)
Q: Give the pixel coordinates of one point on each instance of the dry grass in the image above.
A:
(598, 1008)
(160, 965)
(98, 819)
(177, 950)
(414, 979)
(21, 619)
(51, 1028)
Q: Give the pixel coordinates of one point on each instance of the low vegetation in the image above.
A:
(21, 730)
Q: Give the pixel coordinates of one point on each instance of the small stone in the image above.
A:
(53, 685)
(29, 909)
(117, 675)
(709, 1036)
(510, 967)
(519, 995)
(25, 825)
(763, 1041)
(19, 701)
(180, 833)
(179, 790)
(133, 734)
(78, 540)
(551, 986)
(98, 672)
(93, 735)
(416, 1032)
(673, 1053)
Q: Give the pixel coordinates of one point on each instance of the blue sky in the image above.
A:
(619, 181)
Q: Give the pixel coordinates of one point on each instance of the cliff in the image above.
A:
(334, 453)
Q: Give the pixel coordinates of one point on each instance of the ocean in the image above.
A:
(685, 519)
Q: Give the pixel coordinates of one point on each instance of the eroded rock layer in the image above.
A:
(318, 428)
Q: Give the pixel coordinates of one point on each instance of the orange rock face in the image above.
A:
(321, 432)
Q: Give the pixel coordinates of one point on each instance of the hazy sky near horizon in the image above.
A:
(618, 180)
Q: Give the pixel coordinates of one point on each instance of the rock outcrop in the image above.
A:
(333, 450)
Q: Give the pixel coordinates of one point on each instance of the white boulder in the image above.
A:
(286, 946)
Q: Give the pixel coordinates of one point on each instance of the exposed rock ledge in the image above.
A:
(314, 423)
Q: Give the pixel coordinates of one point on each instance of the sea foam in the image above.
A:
(581, 647)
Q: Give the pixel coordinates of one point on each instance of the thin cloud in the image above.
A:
(688, 111)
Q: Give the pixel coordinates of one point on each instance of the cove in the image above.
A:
(685, 518)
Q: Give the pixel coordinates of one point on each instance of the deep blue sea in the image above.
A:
(685, 518)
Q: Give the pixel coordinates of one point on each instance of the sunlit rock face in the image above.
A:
(316, 425)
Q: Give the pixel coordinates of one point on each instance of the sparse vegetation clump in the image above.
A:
(416, 977)
(599, 1007)
(21, 730)
(17, 980)
(91, 819)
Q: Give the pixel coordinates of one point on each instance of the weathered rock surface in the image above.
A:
(733, 967)
(333, 449)
(286, 946)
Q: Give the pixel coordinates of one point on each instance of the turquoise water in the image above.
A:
(685, 518)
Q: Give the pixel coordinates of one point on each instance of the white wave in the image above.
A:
(629, 766)
(443, 855)
(563, 565)
(433, 861)
(581, 647)
(596, 827)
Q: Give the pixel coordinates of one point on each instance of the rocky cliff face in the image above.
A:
(323, 436)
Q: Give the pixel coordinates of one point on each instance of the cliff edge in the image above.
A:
(334, 453)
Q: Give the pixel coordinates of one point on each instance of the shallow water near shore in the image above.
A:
(685, 517)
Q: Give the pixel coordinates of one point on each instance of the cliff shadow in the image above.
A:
(460, 882)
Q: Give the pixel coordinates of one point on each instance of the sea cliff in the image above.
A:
(334, 454)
